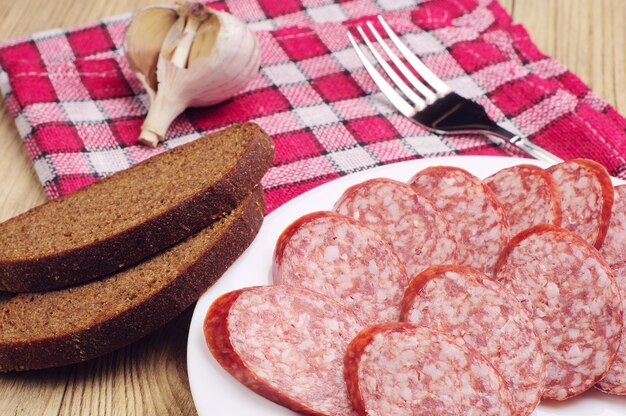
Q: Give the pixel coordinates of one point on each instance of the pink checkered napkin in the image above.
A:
(79, 108)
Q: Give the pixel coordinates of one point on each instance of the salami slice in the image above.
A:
(475, 215)
(463, 302)
(614, 382)
(397, 369)
(614, 247)
(417, 231)
(338, 257)
(529, 196)
(286, 344)
(587, 198)
(574, 303)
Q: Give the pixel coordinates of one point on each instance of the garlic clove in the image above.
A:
(151, 24)
(178, 43)
(205, 57)
(230, 65)
(206, 37)
(172, 38)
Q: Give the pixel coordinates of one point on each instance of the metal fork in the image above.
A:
(432, 104)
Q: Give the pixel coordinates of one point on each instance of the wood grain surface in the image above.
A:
(150, 377)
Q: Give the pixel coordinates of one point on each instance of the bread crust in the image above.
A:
(100, 334)
(113, 252)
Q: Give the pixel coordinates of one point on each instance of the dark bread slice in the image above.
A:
(41, 330)
(133, 214)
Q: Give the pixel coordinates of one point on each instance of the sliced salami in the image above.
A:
(463, 302)
(338, 257)
(475, 215)
(614, 247)
(397, 369)
(529, 196)
(574, 303)
(417, 231)
(587, 198)
(286, 344)
(614, 382)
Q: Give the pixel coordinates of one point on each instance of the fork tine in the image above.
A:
(431, 79)
(400, 103)
(410, 94)
(428, 94)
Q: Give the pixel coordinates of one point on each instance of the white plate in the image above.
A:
(215, 392)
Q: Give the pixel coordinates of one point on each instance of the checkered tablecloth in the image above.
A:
(79, 108)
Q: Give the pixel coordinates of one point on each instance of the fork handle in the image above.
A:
(534, 150)
(526, 145)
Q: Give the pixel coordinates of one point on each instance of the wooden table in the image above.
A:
(150, 377)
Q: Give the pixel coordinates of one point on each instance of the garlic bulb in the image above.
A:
(187, 55)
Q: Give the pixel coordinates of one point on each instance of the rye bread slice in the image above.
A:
(133, 214)
(42, 330)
